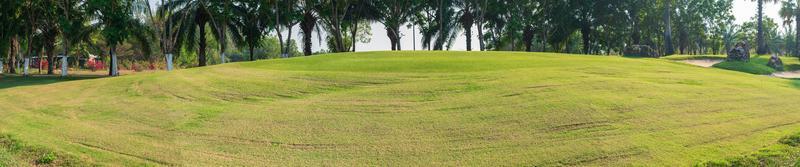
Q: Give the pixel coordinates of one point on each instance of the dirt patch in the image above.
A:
(703, 62)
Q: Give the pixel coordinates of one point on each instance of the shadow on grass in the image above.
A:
(795, 82)
(10, 81)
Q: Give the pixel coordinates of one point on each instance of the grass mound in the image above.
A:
(407, 108)
(16, 153)
(787, 153)
(747, 67)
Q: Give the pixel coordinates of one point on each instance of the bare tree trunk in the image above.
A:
(288, 43)
(307, 25)
(113, 69)
(252, 53)
(762, 46)
(668, 32)
(203, 45)
(13, 56)
(797, 30)
(353, 33)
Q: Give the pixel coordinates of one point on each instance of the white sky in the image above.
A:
(743, 10)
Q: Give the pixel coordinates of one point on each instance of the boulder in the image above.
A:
(740, 52)
(775, 62)
(639, 51)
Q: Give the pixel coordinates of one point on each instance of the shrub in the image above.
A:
(46, 158)
(792, 140)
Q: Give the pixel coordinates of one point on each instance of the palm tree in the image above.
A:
(791, 13)
(308, 23)
(466, 19)
(117, 22)
(668, 49)
(190, 20)
(249, 22)
(762, 45)
(447, 24)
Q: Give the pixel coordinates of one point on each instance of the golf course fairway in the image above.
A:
(401, 109)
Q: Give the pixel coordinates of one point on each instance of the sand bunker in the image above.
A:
(787, 74)
(703, 62)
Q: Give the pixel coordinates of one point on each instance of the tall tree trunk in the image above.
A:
(13, 56)
(280, 40)
(50, 61)
(586, 31)
(201, 53)
(527, 38)
(113, 67)
(466, 21)
(288, 43)
(392, 38)
(635, 35)
(544, 40)
(65, 59)
(762, 46)
(668, 50)
(481, 43)
(397, 35)
(337, 28)
(307, 25)
(353, 33)
(252, 53)
(797, 30)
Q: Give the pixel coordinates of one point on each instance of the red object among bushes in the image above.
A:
(95, 65)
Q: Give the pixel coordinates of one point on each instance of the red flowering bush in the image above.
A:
(95, 65)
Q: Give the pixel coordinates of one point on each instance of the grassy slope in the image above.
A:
(410, 108)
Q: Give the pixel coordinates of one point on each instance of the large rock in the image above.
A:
(740, 52)
(775, 62)
(639, 51)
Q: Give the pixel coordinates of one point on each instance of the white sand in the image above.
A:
(787, 74)
(703, 62)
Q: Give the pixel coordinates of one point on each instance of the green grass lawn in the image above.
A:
(406, 109)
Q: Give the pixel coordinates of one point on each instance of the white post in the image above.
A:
(1, 67)
(64, 66)
(25, 68)
(223, 57)
(169, 62)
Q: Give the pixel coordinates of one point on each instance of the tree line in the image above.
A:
(193, 28)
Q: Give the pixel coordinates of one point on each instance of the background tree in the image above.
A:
(117, 22)
(395, 13)
(761, 44)
(791, 13)
(191, 19)
(249, 20)
(332, 15)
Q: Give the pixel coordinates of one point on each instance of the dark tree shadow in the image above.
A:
(10, 81)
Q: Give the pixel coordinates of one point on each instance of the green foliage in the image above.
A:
(787, 153)
(46, 158)
(791, 140)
